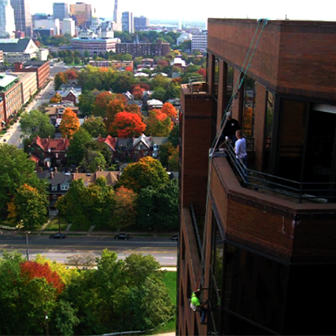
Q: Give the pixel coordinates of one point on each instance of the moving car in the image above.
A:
(58, 235)
(122, 236)
(175, 238)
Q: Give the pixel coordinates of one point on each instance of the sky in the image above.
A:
(200, 10)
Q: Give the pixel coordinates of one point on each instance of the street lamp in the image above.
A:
(27, 245)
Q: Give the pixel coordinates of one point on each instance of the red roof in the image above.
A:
(111, 142)
(52, 144)
(34, 158)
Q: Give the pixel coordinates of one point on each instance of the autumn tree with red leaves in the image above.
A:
(169, 110)
(124, 213)
(60, 78)
(158, 124)
(71, 74)
(101, 102)
(56, 99)
(69, 124)
(32, 269)
(127, 125)
(202, 72)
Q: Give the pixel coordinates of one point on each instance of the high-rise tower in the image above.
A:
(23, 20)
(7, 23)
(115, 11)
(60, 10)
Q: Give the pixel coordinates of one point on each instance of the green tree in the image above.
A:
(157, 209)
(86, 103)
(174, 136)
(95, 126)
(15, 170)
(92, 160)
(30, 207)
(36, 123)
(147, 172)
(166, 150)
(77, 144)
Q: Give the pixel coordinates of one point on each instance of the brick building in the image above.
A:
(10, 97)
(41, 68)
(29, 84)
(49, 152)
(263, 245)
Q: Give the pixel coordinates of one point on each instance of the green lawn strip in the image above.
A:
(54, 225)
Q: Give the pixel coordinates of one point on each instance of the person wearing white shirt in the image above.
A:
(240, 150)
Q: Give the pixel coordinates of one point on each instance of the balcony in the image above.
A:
(195, 88)
(293, 191)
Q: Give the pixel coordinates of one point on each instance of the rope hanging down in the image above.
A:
(247, 62)
(246, 65)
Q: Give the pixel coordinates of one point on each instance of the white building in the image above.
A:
(43, 54)
(18, 50)
(7, 21)
(183, 37)
(67, 26)
(199, 42)
(48, 24)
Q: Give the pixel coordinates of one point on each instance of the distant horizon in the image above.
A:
(196, 10)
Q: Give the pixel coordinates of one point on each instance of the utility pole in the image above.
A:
(27, 245)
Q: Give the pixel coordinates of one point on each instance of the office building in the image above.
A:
(67, 26)
(143, 49)
(40, 68)
(94, 46)
(50, 23)
(127, 22)
(7, 22)
(199, 42)
(23, 18)
(141, 23)
(261, 238)
(82, 14)
(60, 10)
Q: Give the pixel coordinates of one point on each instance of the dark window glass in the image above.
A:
(248, 107)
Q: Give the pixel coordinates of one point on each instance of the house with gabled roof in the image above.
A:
(58, 184)
(49, 152)
(88, 178)
(109, 141)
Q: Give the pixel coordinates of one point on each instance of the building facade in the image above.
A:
(50, 23)
(82, 14)
(10, 97)
(40, 68)
(29, 84)
(60, 10)
(127, 22)
(260, 239)
(18, 50)
(199, 42)
(68, 26)
(7, 22)
(23, 18)
(143, 49)
(94, 46)
(141, 23)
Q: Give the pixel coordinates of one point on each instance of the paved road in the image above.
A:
(163, 250)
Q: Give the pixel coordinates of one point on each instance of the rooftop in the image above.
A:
(6, 79)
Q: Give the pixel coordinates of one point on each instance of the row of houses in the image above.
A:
(50, 152)
(16, 88)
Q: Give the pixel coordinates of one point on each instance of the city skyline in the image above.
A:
(195, 10)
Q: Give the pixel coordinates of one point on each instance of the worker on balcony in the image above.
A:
(231, 126)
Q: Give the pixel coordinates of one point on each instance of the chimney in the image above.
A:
(51, 175)
(55, 169)
(76, 170)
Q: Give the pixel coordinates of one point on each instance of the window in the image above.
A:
(54, 187)
(65, 186)
(248, 107)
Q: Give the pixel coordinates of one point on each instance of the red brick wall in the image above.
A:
(196, 141)
(289, 53)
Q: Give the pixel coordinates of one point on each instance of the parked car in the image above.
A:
(122, 236)
(175, 238)
(58, 235)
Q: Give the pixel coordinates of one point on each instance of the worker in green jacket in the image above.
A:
(197, 305)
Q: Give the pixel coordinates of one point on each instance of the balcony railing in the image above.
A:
(317, 192)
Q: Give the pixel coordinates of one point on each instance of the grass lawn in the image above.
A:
(53, 225)
(169, 280)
